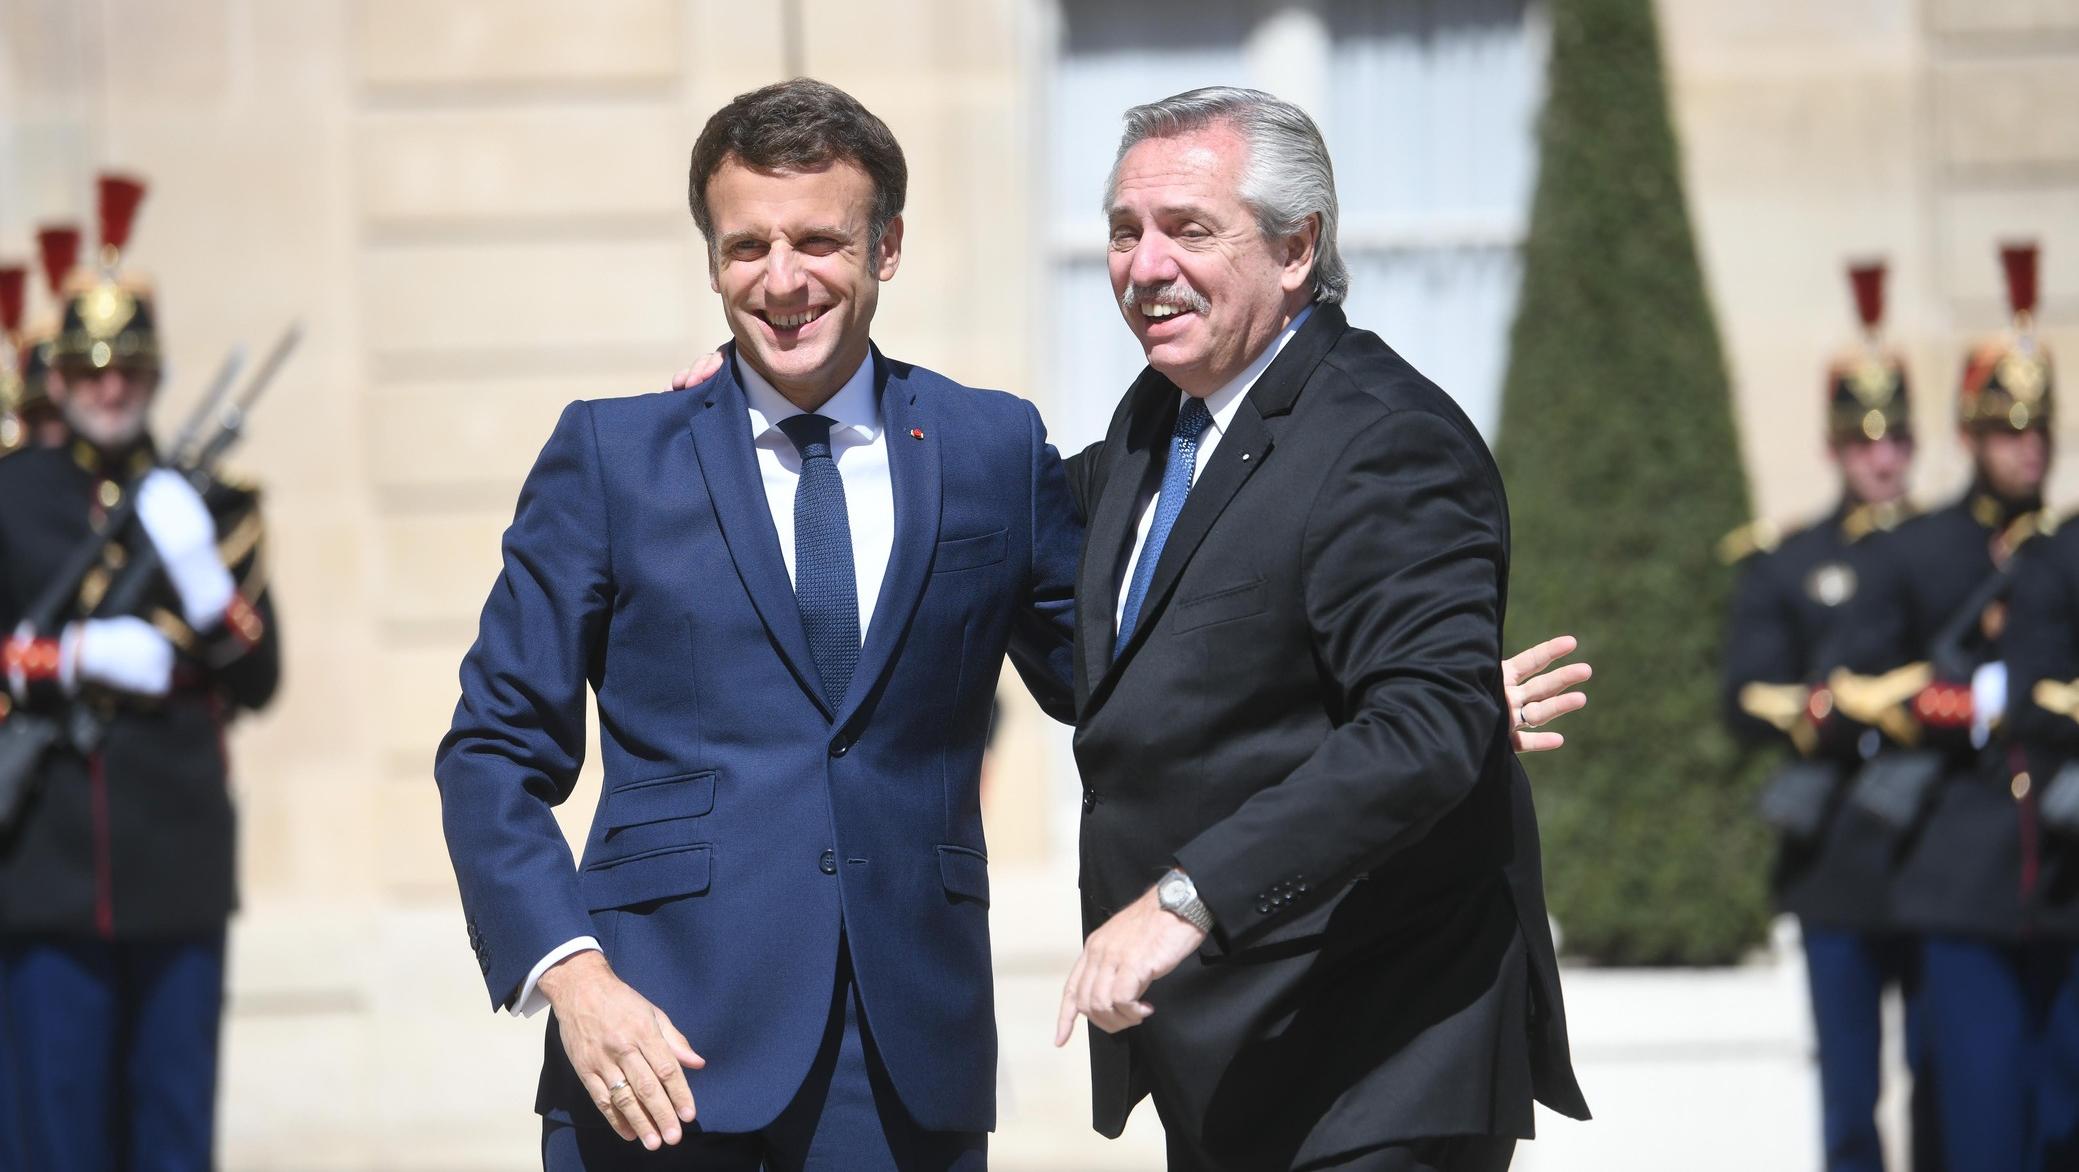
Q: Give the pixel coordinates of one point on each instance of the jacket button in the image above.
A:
(828, 863)
(1089, 801)
(840, 747)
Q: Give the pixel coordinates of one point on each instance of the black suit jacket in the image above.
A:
(1309, 719)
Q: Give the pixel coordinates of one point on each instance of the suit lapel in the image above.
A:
(1243, 449)
(1111, 529)
(1241, 452)
(914, 470)
(722, 441)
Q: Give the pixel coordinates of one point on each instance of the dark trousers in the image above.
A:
(112, 1051)
(846, 1117)
(11, 1159)
(1989, 1012)
(1848, 972)
(2057, 1098)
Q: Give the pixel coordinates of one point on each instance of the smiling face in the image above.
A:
(799, 278)
(1199, 283)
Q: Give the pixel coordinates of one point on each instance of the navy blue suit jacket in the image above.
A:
(643, 562)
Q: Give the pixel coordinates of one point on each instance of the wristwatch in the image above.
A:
(1179, 895)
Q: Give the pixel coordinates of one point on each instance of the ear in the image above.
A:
(1298, 255)
(890, 257)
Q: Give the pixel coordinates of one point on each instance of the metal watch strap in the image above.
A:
(1194, 910)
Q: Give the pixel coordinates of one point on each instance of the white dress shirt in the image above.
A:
(858, 444)
(1222, 403)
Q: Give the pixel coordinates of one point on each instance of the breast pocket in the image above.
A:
(1220, 605)
(969, 553)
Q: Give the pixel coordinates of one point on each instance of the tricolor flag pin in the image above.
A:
(916, 433)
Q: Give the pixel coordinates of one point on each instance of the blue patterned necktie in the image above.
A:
(1192, 421)
(825, 586)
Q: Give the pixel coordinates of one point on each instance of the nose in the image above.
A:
(1153, 263)
(783, 275)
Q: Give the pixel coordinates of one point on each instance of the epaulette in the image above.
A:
(235, 481)
(1749, 539)
(1864, 520)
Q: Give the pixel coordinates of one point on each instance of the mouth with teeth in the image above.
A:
(787, 327)
(1165, 309)
(1164, 318)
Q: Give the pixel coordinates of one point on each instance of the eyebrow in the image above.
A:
(733, 238)
(1188, 211)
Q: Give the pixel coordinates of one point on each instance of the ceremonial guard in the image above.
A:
(1921, 665)
(13, 288)
(116, 861)
(1832, 868)
(2041, 649)
(37, 419)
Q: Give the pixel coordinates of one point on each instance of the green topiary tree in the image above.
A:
(1623, 469)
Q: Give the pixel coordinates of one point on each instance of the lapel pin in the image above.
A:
(1245, 457)
(916, 433)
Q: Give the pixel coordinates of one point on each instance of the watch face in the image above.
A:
(1173, 889)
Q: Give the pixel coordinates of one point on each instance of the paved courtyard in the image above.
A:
(367, 1045)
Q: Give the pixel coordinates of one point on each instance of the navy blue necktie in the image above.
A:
(1192, 421)
(825, 586)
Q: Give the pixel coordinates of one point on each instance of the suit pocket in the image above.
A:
(1219, 606)
(967, 553)
(965, 872)
(664, 873)
(684, 795)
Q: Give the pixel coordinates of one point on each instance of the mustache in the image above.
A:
(1175, 293)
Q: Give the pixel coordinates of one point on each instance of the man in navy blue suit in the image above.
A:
(792, 588)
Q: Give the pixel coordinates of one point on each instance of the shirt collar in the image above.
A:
(854, 406)
(1223, 403)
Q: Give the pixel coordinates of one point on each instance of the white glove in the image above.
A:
(125, 653)
(183, 532)
(1988, 700)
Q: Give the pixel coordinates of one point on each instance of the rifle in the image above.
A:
(25, 737)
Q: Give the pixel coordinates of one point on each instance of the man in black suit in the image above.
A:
(1315, 912)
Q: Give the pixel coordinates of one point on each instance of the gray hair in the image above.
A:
(1287, 178)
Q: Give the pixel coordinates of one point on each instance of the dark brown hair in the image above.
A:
(799, 125)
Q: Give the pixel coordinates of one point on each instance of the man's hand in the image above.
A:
(185, 535)
(627, 1053)
(125, 653)
(1120, 960)
(699, 372)
(1536, 699)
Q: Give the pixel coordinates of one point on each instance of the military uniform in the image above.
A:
(1833, 863)
(1921, 653)
(2040, 646)
(2042, 653)
(117, 873)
